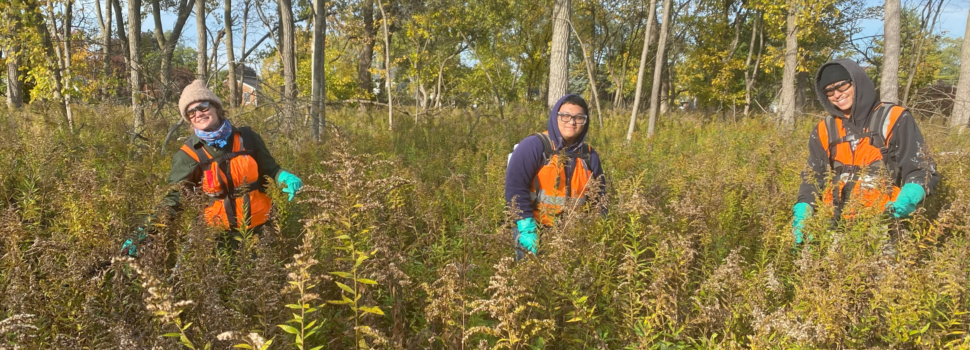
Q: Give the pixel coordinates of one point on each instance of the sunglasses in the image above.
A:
(840, 87)
(201, 107)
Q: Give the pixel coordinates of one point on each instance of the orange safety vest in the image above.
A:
(230, 209)
(861, 163)
(550, 187)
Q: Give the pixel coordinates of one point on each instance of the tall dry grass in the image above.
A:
(400, 241)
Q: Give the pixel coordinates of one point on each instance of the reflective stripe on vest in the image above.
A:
(228, 210)
(551, 191)
(544, 198)
(860, 170)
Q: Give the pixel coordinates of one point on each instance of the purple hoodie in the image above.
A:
(527, 159)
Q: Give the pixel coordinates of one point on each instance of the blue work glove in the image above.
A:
(905, 204)
(130, 247)
(800, 213)
(527, 234)
(292, 183)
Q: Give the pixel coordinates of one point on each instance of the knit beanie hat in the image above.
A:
(833, 73)
(197, 92)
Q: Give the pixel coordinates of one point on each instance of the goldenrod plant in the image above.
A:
(407, 232)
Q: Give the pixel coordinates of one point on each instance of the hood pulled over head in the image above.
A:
(864, 100)
(553, 125)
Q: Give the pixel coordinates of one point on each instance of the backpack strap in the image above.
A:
(190, 151)
(198, 154)
(585, 154)
(832, 130)
(882, 122)
(878, 124)
(881, 127)
(547, 148)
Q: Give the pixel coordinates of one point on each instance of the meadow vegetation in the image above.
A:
(401, 240)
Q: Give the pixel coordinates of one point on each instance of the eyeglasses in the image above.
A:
(201, 107)
(579, 119)
(840, 87)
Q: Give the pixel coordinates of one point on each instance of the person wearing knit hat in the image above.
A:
(197, 92)
(874, 149)
(229, 164)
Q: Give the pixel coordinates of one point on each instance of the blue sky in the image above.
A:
(952, 21)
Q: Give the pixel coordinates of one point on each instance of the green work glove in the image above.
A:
(130, 247)
(292, 183)
(906, 201)
(527, 234)
(800, 213)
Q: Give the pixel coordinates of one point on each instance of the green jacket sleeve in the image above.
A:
(184, 168)
(813, 175)
(909, 151)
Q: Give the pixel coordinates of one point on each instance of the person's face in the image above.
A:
(841, 94)
(571, 121)
(203, 116)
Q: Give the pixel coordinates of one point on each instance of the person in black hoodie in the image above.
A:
(539, 182)
(875, 150)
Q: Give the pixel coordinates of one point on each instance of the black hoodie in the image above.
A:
(906, 146)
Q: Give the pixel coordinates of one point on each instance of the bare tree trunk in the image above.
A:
(200, 28)
(439, 88)
(15, 93)
(665, 79)
(231, 56)
(961, 101)
(318, 90)
(214, 55)
(104, 23)
(56, 54)
(658, 69)
(134, 43)
(664, 92)
(367, 50)
(122, 37)
(66, 58)
(791, 63)
(387, 68)
(559, 58)
(589, 74)
(618, 100)
(889, 84)
(289, 59)
(245, 28)
(618, 82)
(167, 45)
(436, 103)
(424, 96)
(651, 11)
(750, 76)
(914, 63)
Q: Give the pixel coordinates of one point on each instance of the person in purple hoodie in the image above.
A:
(550, 170)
